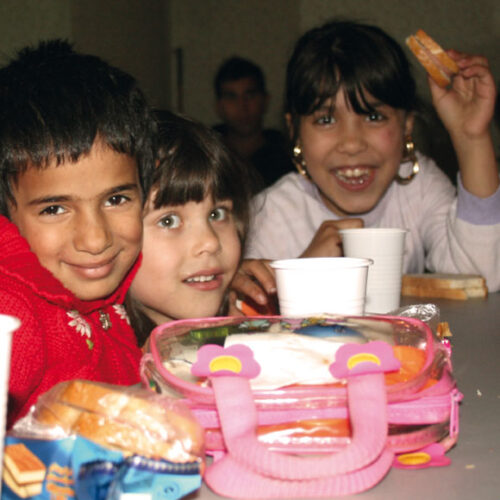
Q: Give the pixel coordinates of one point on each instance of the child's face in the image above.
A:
(83, 220)
(190, 255)
(353, 158)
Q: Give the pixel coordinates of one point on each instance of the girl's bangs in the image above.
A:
(359, 87)
(192, 180)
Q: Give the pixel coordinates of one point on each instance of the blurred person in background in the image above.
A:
(241, 103)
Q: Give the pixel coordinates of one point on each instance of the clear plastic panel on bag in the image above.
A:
(174, 346)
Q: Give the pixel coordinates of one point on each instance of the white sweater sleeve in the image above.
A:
(452, 244)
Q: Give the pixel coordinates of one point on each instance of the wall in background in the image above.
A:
(25, 22)
(210, 31)
(471, 26)
(265, 30)
(145, 38)
(130, 34)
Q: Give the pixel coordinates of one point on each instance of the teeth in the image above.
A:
(201, 279)
(354, 175)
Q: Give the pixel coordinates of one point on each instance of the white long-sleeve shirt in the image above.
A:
(447, 232)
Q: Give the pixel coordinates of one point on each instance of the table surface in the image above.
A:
(475, 469)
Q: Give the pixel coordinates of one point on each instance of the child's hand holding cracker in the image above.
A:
(467, 106)
(463, 93)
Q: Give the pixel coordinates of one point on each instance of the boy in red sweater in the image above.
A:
(77, 145)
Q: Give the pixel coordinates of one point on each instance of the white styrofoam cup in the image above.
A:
(322, 285)
(385, 246)
(7, 326)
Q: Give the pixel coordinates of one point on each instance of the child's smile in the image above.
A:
(353, 158)
(96, 270)
(354, 178)
(82, 219)
(206, 281)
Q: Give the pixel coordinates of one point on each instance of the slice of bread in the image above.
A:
(444, 285)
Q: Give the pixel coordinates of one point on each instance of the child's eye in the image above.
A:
(219, 213)
(326, 119)
(170, 221)
(374, 117)
(117, 199)
(52, 210)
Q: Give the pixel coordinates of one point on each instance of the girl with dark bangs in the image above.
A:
(350, 106)
(195, 225)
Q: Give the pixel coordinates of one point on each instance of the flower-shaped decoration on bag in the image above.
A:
(216, 361)
(432, 455)
(363, 359)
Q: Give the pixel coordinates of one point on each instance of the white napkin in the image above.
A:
(288, 358)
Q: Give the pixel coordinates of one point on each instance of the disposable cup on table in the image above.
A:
(385, 246)
(322, 285)
(7, 326)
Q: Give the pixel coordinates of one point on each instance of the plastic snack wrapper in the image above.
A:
(429, 314)
(89, 440)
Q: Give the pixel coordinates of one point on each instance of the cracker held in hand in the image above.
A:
(438, 64)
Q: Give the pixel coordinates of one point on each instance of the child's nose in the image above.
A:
(92, 233)
(206, 240)
(351, 139)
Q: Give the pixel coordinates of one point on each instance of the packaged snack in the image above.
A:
(98, 441)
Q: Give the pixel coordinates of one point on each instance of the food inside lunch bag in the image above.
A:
(291, 356)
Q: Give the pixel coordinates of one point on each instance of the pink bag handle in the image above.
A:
(362, 364)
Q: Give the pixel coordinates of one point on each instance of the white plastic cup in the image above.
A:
(323, 285)
(7, 326)
(385, 246)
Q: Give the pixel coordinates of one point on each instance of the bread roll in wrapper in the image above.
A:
(104, 437)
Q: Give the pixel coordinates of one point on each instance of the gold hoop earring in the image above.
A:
(409, 156)
(299, 162)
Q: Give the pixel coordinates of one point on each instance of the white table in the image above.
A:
(475, 469)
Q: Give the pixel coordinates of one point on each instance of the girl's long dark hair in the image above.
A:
(358, 58)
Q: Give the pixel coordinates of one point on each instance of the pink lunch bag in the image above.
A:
(309, 407)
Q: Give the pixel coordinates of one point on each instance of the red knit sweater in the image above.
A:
(61, 337)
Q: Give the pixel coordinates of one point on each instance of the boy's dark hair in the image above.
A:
(236, 68)
(54, 103)
(194, 163)
(357, 57)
